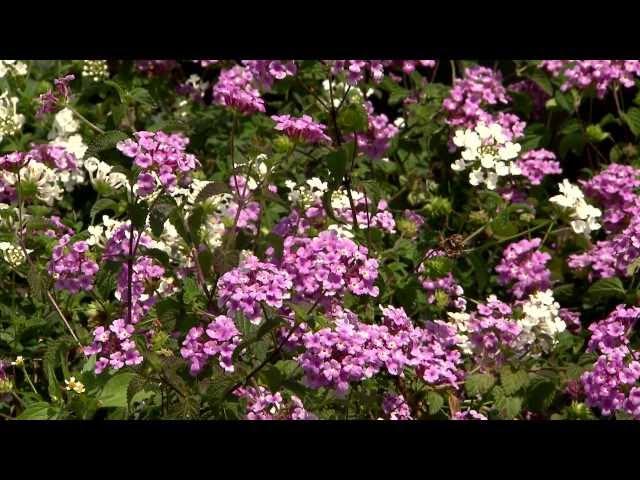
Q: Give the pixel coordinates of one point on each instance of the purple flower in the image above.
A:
(524, 267)
(303, 128)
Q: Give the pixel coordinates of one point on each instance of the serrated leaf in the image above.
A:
(114, 393)
(104, 141)
(479, 383)
(605, 288)
(353, 118)
(435, 402)
(632, 119)
(210, 190)
(513, 381)
(36, 411)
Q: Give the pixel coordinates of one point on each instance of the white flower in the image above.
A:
(75, 385)
(460, 321)
(486, 149)
(100, 171)
(19, 361)
(343, 230)
(541, 323)
(399, 122)
(584, 217)
(95, 69)
(64, 123)
(13, 67)
(10, 120)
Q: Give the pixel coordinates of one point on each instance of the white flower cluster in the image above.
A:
(98, 234)
(96, 70)
(341, 89)
(460, 321)
(584, 217)
(102, 173)
(14, 68)
(306, 195)
(487, 151)
(63, 134)
(12, 254)
(45, 180)
(10, 120)
(541, 323)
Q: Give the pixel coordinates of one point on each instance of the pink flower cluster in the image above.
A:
(13, 161)
(395, 407)
(352, 351)
(301, 129)
(327, 266)
(615, 189)
(264, 405)
(235, 89)
(599, 74)
(161, 157)
(356, 70)
(492, 331)
(611, 257)
(479, 87)
(611, 384)
(252, 282)
(114, 346)
(221, 339)
(536, 164)
(265, 72)
(71, 267)
(49, 101)
(377, 139)
(382, 218)
(468, 415)
(144, 271)
(53, 156)
(446, 284)
(117, 245)
(524, 267)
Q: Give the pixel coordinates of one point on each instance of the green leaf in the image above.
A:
(138, 214)
(605, 288)
(502, 227)
(509, 407)
(353, 118)
(633, 267)
(159, 255)
(564, 101)
(210, 190)
(595, 134)
(104, 141)
(195, 220)
(479, 383)
(158, 216)
(114, 393)
(513, 381)
(632, 118)
(541, 395)
(435, 402)
(142, 95)
(205, 259)
(101, 205)
(337, 163)
(542, 80)
(36, 411)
